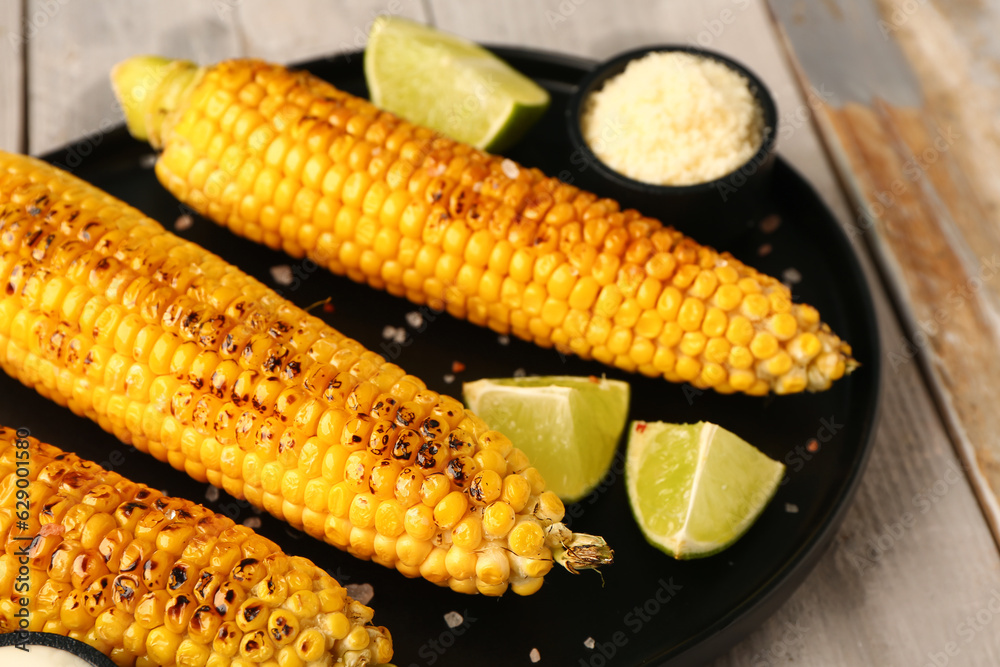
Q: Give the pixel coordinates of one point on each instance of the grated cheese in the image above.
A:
(673, 118)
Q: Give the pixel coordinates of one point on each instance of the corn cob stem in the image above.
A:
(153, 580)
(578, 551)
(151, 89)
(193, 361)
(286, 159)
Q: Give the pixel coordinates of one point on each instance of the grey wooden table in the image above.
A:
(912, 572)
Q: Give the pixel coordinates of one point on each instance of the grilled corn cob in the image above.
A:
(186, 357)
(154, 580)
(288, 160)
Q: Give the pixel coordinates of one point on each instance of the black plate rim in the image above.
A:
(75, 647)
(756, 608)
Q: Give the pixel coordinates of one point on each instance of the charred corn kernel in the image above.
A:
(486, 487)
(166, 611)
(251, 393)
(311, 644)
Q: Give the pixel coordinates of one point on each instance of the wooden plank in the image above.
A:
(72, 53)
(316, 28)
(922, 174)
(69, 93)
(11, 79)
(861, 605)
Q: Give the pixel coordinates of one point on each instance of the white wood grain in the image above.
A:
(303, 29)
(894, 606)
(11, 83)
(78, 44)
(70, 55)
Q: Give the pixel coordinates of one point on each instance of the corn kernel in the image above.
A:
(450, 509)
(526, 539)
(468, 533)
(764, 346)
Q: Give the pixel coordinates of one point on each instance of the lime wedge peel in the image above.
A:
(695, 489)
(568, 426)
(449, 84)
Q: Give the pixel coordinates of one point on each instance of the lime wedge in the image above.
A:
(449, 84)
(568, 426)
(696, 488)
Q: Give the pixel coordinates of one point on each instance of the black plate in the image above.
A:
(14, 641)
(649, 609)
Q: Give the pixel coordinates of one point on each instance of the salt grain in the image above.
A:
(183, 222)
(147, 161)
(212, 493)
(363, 593)
(791, 508)
(388, 332)
(453, 619)
(252, 522)
(589, 643)
(400, 336)
(477, 186)
(503, 340)
(519, 373)
(414, 319)
(535, 655)
(791, 276)
(770, 224)
(510, 169)
(449, 378)
(282, 274)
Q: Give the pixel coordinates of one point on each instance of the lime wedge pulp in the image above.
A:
(568, 426)
(449, 84)
(696, 488)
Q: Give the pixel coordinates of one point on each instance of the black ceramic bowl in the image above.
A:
(715, 212)
(13, 641)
